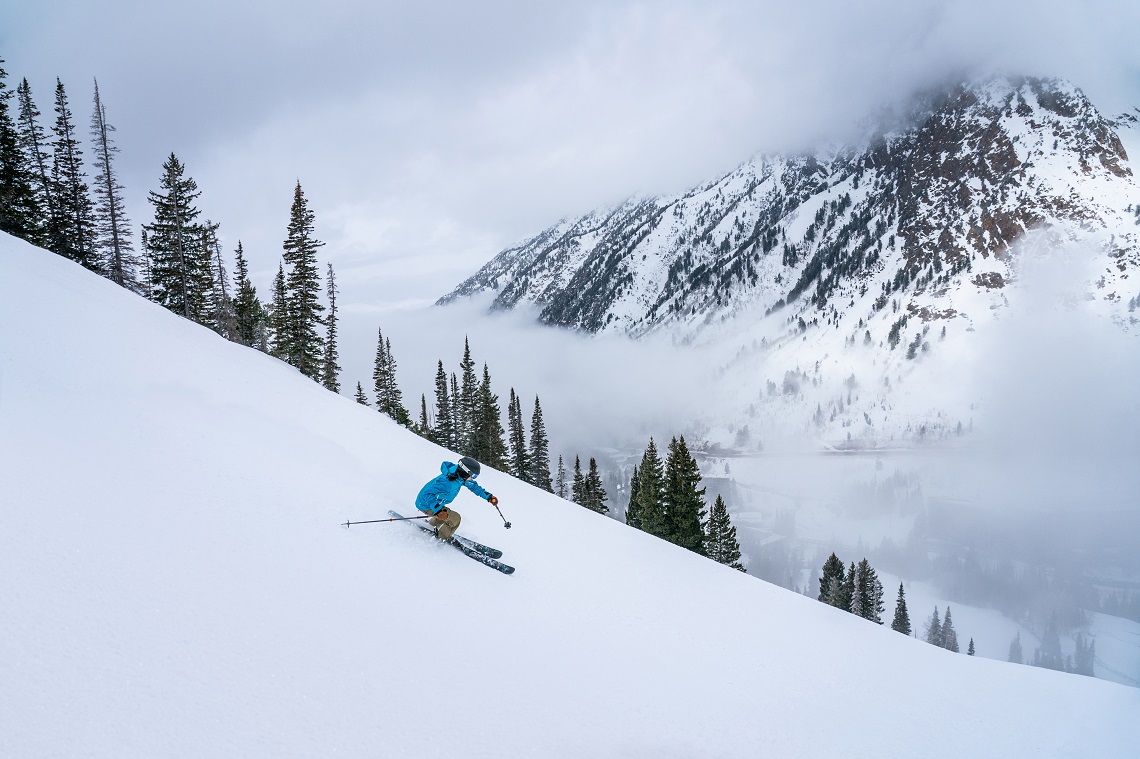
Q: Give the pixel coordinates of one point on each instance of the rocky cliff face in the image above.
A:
(924, 209)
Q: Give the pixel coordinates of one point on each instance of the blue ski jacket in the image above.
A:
(443, 489)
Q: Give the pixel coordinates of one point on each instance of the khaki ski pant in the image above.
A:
(448, 526)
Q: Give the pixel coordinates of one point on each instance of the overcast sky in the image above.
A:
(430, 135)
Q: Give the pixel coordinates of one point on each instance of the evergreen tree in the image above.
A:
(303, 283)
(389, 398)
(593, 493)
(490, 447)
(970, 650)
(361, 398)
(467, 411)
(519, 456)
(560, 481)
(722, 544)
(949, 634)
(1015, 654)
(179, 271)
(684, 498)
(73, 225)
(848, 589)
(831, 582)
(112, 228)
(380, 381)
(330, 371)
(423, 427)
(279, 317)
(632, 509)
(459, 422)
(223, 321)
(19, 210)
(933, 634)
(248, 311)
(867, 599)
(444, 432)
(539, 451)
(901, 622)
(578, 486)
(34, 144)
(651, 493)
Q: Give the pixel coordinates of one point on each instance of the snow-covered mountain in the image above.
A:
(813, 275)
(174, 582)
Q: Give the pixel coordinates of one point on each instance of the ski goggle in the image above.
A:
(466, 473)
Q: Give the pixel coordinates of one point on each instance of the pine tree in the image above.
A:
(361, 398)
(901, 622)
(539, 451)
(867, 599)
(467, 410)
(444, 432)
(380, 381)
(848, 589)
(684, 498)
(723, 547)
(949, 634)
(303, 283)
(19, 210)
(459, 422)
(560, 481)
(34, 145)
(970, 650)
(933, 634)
(632, 509)
(330, 370)
(1015, 654)
(489, 444)
(221, 307)
(651, 493)
(593, 493)
(578, 486)
(178, 269)
(389, 398)
(248, 311)
(112, 228)
(73, 225)
(831, 582)
(423, 427)
(278, 317)
(519, 455)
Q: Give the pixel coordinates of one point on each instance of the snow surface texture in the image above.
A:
(174, 581)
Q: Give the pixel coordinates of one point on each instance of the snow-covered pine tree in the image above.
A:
(19, 211)
(970, 650)
(423, 427)
(519, 455)
(857, 599)
(361, 398)
(933, 632)
(444, 432)
(73, 224)
(179, 273)
(112, 228)
(832, 580)
(330, 368)
(222, 319)
(490, 446)
(632, 509)
(248, 311)
(380, 382)
(651, 493)
(593, 493)
(303, 287)
(722, 544)
(468, 411)
(389, 398)
(578, 485)
(1015, 653)
(459, 422)
(867, 601)
(34, 144)
(901, 622)
(949, 634)
(539, 451)
(684, 498)
(278, 317)
(560, 479)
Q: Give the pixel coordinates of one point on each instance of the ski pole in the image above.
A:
(505, 522)
(392, 519)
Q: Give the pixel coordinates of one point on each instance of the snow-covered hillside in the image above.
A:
(174, 581)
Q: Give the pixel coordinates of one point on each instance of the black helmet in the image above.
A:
(468, 467)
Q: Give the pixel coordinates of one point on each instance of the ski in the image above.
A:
(478, 551)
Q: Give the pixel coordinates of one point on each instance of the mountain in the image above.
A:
(174, 582)
(927, 207)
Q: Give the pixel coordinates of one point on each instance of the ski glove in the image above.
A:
(494, 501)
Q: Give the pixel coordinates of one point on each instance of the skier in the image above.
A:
(438, 493)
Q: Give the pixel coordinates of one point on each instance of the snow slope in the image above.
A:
(174, 582)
